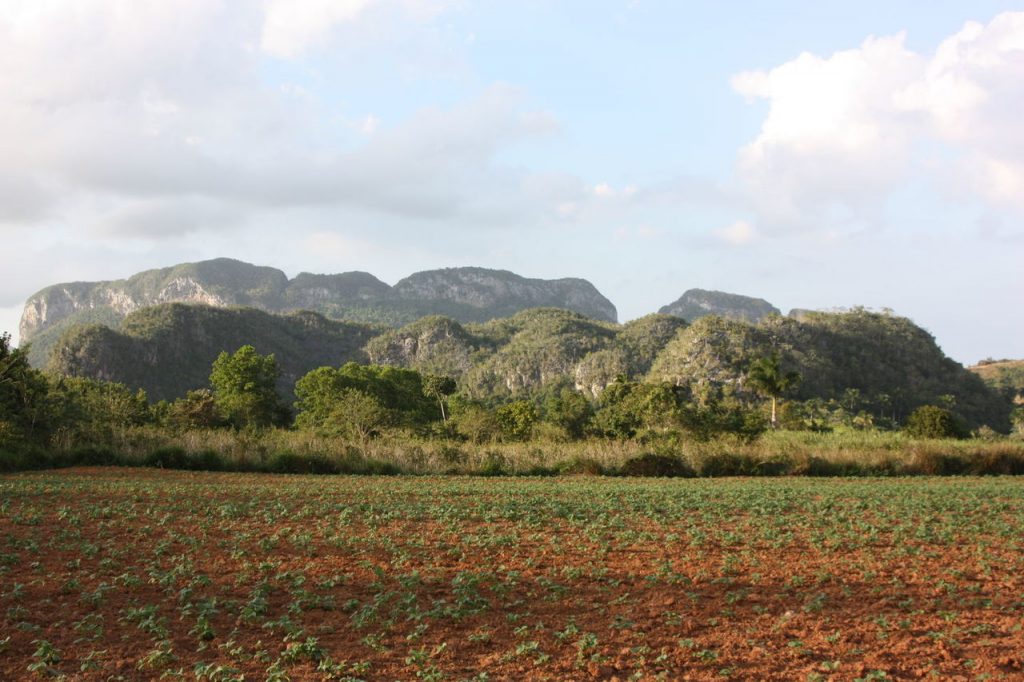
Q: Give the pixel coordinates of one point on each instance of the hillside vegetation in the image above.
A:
(864, 366)
(1004, 376)
(167, 350)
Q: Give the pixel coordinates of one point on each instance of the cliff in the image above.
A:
(464, 294)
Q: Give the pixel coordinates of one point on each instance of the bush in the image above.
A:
(931, 421)
(451, 455)
(21, 459)
(206, 460)
(92, 455)
(581, 466)
(292, 463)
(653, 465)
(729, 464)
(494, 464)
(170, 457)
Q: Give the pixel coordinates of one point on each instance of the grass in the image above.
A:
(782, 453)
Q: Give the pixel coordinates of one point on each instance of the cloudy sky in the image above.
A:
(814, 154)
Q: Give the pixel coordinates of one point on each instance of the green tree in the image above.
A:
(24, 407)
(570, 410)
(439, 388)
(245, 387)
(90, 412)
(473, 421)
(766, 377)
(400, 391)
(516, 419)
(1017, 419)
(197, 410)
(357, 416)
(932, 421)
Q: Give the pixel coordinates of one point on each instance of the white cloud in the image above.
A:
(118, 108)
(738, 233)
(844, 132)
(640, 232)
(292, 26)
(603, 190)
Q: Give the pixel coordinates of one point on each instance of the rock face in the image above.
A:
(504, 293)
(464, 294)
(697, 303)
(432, 345)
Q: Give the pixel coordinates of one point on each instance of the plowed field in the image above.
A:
(136, 574)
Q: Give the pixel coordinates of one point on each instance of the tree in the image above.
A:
(517, 419)
(473, 421)
(439, 388)
(1017, 419)
(400, 391)
(357, 415)
(244, 387)
(198, 409)
(24, 406)
(569, 410)
(766, 377)
(87, 411)
(932, 421)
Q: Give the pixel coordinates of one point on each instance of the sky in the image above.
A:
(815, 154)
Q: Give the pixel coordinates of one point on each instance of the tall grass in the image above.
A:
(854, 453)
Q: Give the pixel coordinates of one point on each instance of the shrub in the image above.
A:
(92, 455)
(729, 464)
(931, 421)
(581, 466)
(451, 455)
(287, 462)
(21, 459)
(205, 460)
(170, 457)
(654, 465)
(494, 464)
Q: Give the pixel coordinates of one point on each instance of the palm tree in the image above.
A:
(766, 377)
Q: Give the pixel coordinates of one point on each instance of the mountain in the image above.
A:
(464, 294)
(168, 350)
(878, 364)
(697, 303)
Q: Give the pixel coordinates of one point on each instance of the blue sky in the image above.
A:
(818, 155)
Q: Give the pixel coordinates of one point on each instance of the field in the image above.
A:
(131, 574)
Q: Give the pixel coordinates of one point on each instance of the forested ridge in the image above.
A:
(877, 367)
